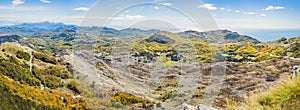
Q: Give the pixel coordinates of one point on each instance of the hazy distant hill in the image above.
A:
(9, 38)
(219, 36)
(44, 25)
(58, 30)
(162, 38)
(30, 29)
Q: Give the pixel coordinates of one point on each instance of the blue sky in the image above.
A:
(229, 14)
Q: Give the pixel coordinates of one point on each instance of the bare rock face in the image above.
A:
(270, 78)
(198, 107)
(294, 71)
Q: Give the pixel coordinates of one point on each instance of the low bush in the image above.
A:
(23, 55)
(45, 58)
(51, 81)
(16, 96)
(127, 99)
(74, 86)
(14, 69)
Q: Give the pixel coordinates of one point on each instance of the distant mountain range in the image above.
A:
(44, 25)
(53, 29)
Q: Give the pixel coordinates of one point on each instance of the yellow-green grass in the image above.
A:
(284, 96)
(19, 96)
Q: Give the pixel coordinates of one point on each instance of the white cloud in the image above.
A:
(167, 4)
(237, 11)
(208, 6)
(156, 8)
(263, 15)
(222, 8)
(269, 8)
(81, 9)
(249, 13)
(22, 8)
(129, 17)
(279, 8)
(17, 2)
(45, 1)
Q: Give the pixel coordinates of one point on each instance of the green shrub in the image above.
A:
(14, 69)
(23, 55)
(16, 96)
(37, 72)
(281, 51)
(74, 86)
(203, 51)
(167, 95)
(126, 98)
(52, 82)
(262, 57)
(45, 58)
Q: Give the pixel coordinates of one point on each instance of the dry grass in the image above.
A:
(284, 96)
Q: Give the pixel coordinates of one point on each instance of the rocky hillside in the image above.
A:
(219, 36)
(9, 38)
(78, 68)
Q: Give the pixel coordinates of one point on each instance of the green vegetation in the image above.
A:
(13, 66)
(167, 48)
(74, 86)
(167, 95)
(52, 82)
(104, 47)
(23, 55)
(58, 72)
(129, 99)
(153, 47)
(258, 52)
(46, 45)
(20, 87)
(203, 51)
(126, 99)
(26, 97)
(15, 69)
(45, 58)
(155, 51)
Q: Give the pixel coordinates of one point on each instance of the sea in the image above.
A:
(266, 35)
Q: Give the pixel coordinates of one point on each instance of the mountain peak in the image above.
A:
(162, 37)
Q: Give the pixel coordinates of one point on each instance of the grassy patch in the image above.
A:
(129, 99)
(18, 96)
(284, 96)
